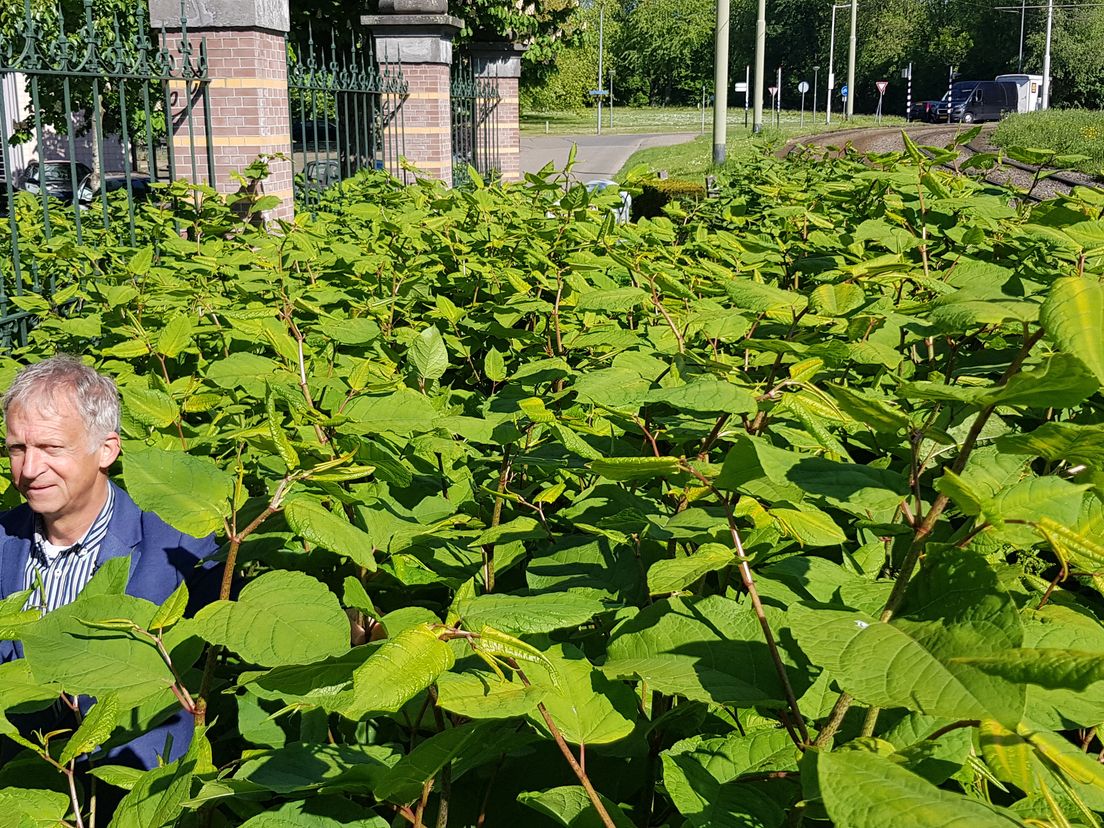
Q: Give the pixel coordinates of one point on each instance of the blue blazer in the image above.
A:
(161, 558)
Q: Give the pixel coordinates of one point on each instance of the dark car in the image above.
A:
(979, 101)
(90, 191)
(925, 110)
(56, 178)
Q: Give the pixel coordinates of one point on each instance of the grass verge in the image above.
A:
(1066, 131)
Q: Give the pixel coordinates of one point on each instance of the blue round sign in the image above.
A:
(843, 91)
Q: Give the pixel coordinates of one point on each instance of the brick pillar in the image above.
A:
(422, 46)
(500, 63)
(246, 101)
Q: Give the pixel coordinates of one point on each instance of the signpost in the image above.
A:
(742, 86)
(843, 94)
(774, 91)
(882, 87)
(803, 87)
(907, 75)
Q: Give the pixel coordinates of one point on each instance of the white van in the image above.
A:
(1030, 90)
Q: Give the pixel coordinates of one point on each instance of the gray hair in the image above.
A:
(93, 395)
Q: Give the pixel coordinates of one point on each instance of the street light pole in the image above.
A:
(760, 65)
(1046, 55)
(851, 60)
(720, 84)
(601, 12)
(832, 62)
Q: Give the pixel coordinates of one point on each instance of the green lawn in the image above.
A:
(1066, 131)
(693, 160)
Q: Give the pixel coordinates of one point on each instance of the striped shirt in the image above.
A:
(57, 574)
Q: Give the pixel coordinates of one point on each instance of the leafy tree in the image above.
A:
(1077, 57)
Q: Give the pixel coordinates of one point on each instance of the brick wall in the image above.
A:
(422, 133)
(247, 100)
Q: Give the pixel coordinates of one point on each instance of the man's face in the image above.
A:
(54, 463)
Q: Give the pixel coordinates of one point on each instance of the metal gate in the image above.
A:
(474, 123)
(346, 115)
(86, 111)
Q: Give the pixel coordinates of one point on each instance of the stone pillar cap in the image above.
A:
(221, 14)
(399, 24)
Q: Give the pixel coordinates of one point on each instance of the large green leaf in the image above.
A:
(586, 706)
(190, 493)
(280, 618)
(1073, 315)
(1064, 628)
(1049, 668)
(865, 790)
(403, 412)
(32, 807)
(484, 695)
(698, 774)
(708, 396)
(62, 649)
(675, 574)
(317, 812)
(706, 649)
(398, 671)
(302, 768)
(1054, 441)
(542, 612)
(428, 354)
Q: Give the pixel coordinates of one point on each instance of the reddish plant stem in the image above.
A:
(580, 773)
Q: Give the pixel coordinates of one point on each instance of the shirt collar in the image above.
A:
(48, 552)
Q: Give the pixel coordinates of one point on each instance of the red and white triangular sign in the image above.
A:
(882, 86)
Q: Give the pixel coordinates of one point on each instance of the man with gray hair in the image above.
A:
(62, 423)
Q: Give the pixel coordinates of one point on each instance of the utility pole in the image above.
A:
(778, 100)
(1046, 55)
(601, 14)
(831, 63)
(1023, 15)
(720, 84)
(816, 71)
(760, 65)
(852, 92)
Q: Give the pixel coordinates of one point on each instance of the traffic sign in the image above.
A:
(740, 86)
(598, 92)
(882, 86)
(773, 90)
(843, 91)
(803, 87)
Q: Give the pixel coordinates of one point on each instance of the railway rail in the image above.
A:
(1009, 172)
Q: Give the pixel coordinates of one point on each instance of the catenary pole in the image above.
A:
(760, 65)
(831, 65)
(851, 91)
(601, 20)
(720, 84)
(1023, 16)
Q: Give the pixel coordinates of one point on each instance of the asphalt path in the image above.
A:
(597, 156)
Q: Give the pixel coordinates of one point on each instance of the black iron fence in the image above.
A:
(346, 115)
(475, 102)
(87, 112)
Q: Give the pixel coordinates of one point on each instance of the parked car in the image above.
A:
(316, 177)
(623, 211)
(979, 101)
(925, 110)
(89, 192)
(55, 177)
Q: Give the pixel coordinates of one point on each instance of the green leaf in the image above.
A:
(151, 408)
(1055, 441)
(537, 613)
(33, 807)
(189, 493)
(675, 574)
(316, 524)
(614, 299)
(484, 695)
(317, 812)
(118, 776)
(880, 415)
(403, 412)
(398, 671)
(98, 723)
(1007, 755)
(587, 707)
(706, 649)
(172, 610)
(494, 366)
(356, 331)
(297, 769)
(706, 397)
(634, 468)
(571, 807)
(809, 527)
(280, 618)
(1060, 381)
(1052, 669)
(175, 336)
(865, 790)
(157, 798)
(837, 300)
(428, 354)
(62, 649)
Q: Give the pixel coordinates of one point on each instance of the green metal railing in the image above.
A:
(474, 123)
(346, 114)
(100, 112)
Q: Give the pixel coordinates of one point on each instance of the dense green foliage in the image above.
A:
(1071, 131)
(783, 511)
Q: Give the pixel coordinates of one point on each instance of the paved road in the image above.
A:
(598, 156)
